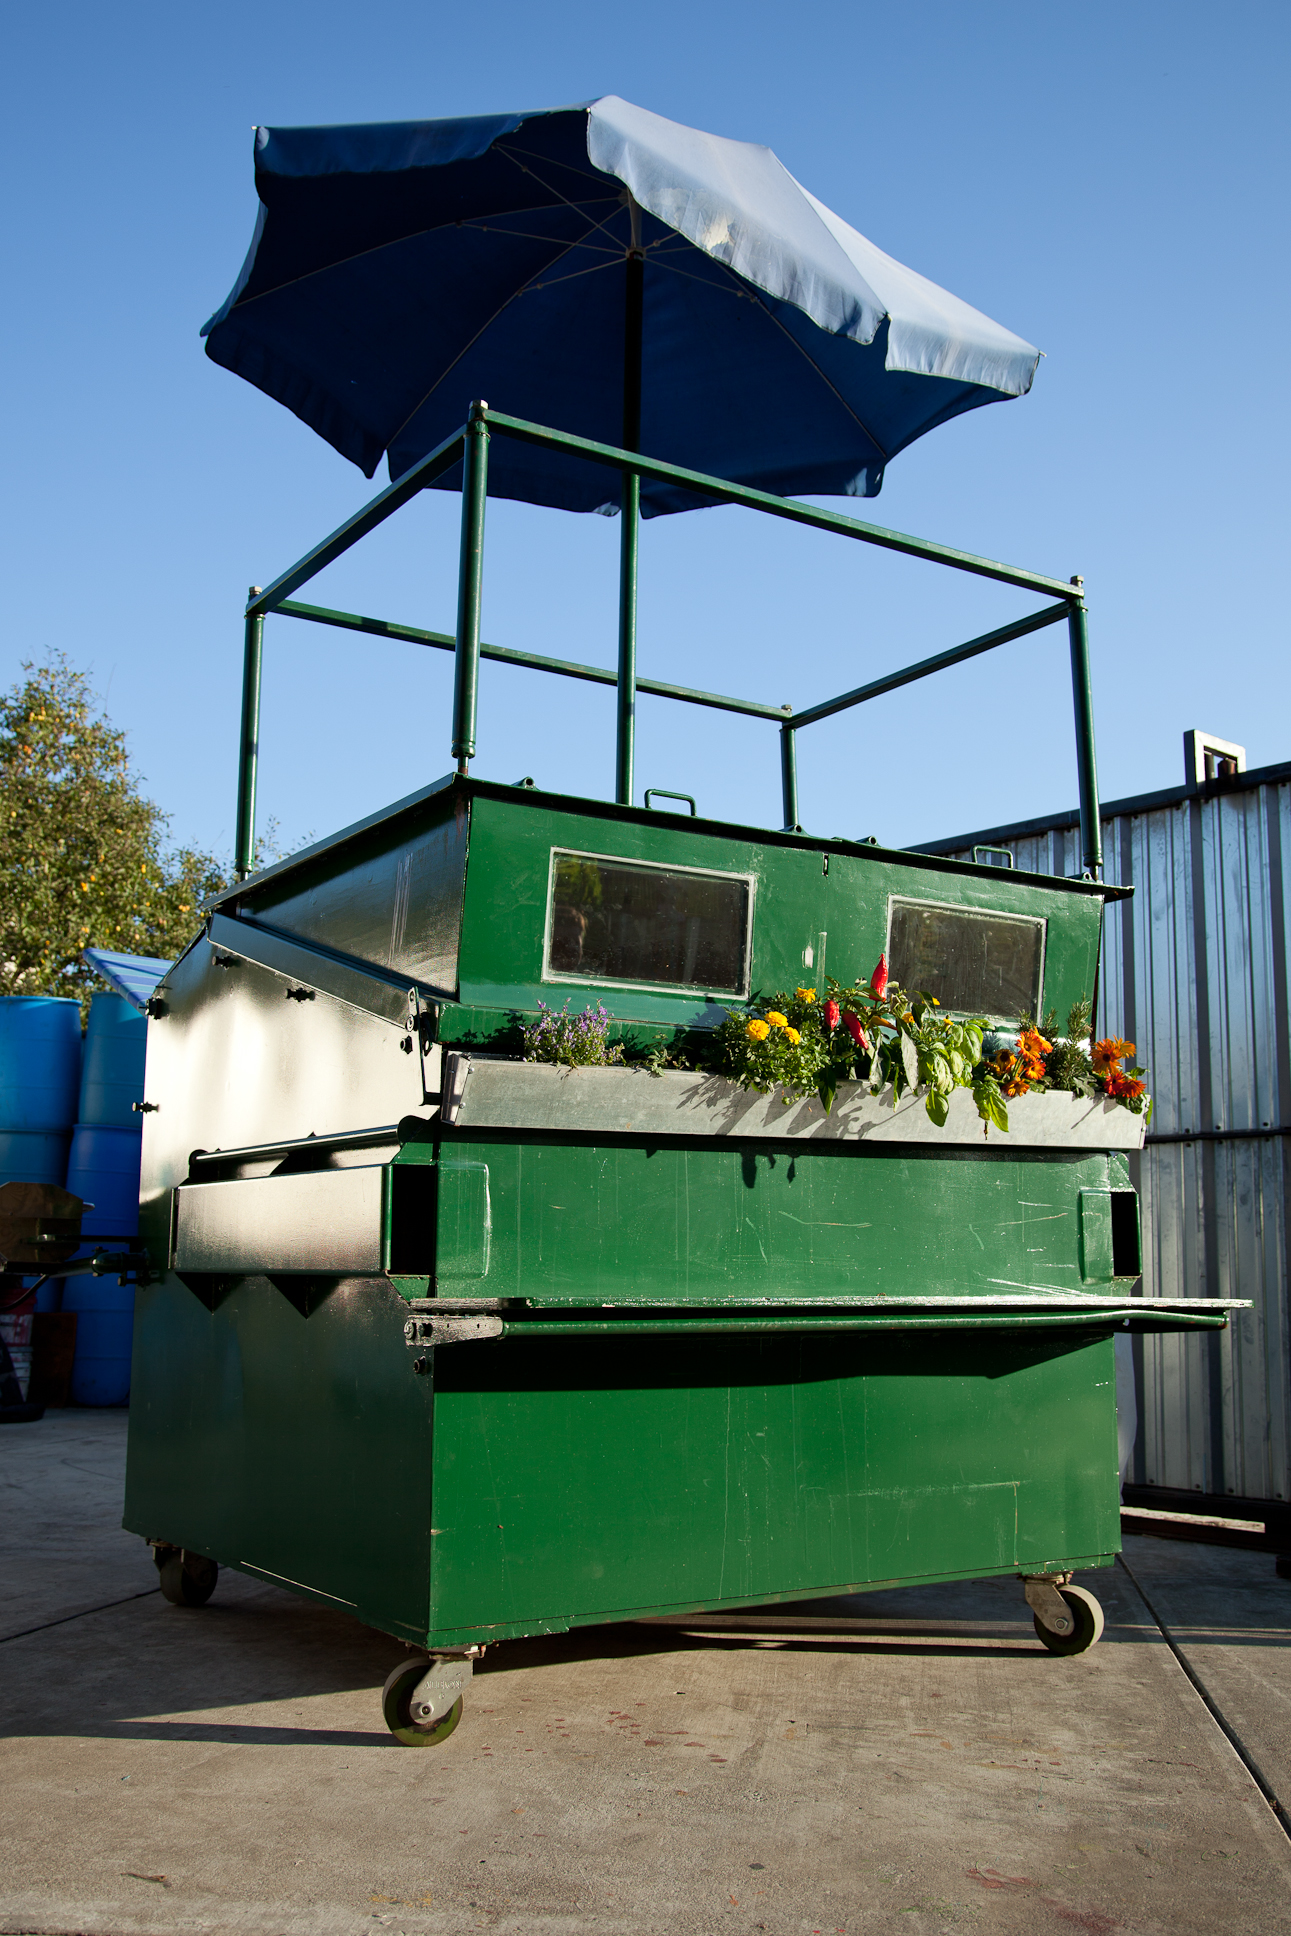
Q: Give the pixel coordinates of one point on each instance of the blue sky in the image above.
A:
(1109, 181)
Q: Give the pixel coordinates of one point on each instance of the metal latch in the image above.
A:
(449, 1329)
(1047, 1603)
(445, 1681)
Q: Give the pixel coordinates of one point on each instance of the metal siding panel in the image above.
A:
(1194, 971)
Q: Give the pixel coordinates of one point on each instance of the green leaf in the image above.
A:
(827, 1089)
(938, 1107)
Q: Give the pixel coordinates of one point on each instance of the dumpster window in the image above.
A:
(618, 920)
(974, 961)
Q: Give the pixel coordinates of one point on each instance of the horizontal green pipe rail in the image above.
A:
(533, 661)
(1133, 1313)
(392, 499)
(779, 507)
(957, 654)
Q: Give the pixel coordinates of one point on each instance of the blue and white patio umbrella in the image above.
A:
(603, 271)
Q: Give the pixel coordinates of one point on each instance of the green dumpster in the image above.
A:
(474, 1347)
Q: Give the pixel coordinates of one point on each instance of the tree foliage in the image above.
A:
(84, 857)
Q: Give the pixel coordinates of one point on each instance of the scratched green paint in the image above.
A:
(578, 1482)
(629, 1223)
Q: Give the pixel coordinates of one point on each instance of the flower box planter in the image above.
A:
(483, 1092)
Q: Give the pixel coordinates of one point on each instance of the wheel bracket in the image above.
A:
(445, 1681)
(1047, 1603)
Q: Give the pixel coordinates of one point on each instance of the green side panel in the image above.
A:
(1096, 1236)
(805, 901)
(575, 1483)
(592, 1224)
(296, 1446)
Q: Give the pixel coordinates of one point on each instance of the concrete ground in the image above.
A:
(226, 1769)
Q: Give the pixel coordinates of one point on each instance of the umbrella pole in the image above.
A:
(630, 515)
(249, 743)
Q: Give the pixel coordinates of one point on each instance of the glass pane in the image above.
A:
(612, 920)
(977, 964)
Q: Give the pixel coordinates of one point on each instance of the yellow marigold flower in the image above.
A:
(776, 1019)
(792, 1035)
(805, 994)
(759, 1031)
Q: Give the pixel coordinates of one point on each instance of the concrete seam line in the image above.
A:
(1234, 1740)
(84, 1614)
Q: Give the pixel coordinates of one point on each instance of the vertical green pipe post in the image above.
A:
(470, 581)
(789, 775)
(1091, 835)
(244, 845)
(630, 514)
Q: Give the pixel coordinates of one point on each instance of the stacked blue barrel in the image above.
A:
(40, 1080)
(103, 1169)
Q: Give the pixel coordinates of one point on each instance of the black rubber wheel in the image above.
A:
(187, 1579)
(395, 1698)
(1088, 1616)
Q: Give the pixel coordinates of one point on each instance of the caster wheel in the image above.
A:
(396, 1697)
(1088, 1616)
(187, 1579)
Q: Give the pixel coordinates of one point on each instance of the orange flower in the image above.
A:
(1125, 1088)
(758, 1031)
(776, 1019)
(1033, 1049)
(792, 1035)
(1107, 1054)
(1010, 1074)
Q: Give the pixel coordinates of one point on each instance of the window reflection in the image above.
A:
(614, 920)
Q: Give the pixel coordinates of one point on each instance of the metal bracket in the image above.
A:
(456, 1069)
(419, 1332)
(423, 1025)
(446, 1679)
(1047, 1603)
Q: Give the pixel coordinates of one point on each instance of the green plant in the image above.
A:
(579, 1041)
(1044, 1060)
(862, 1031)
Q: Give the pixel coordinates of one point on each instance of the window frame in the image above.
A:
(683, 990)
(996, 914)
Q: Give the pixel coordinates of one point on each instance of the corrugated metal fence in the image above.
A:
(1195, 973)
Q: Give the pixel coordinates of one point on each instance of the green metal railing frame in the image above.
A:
(470, 445)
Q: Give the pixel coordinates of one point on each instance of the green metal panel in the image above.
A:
(624, 1223)
(288, 1438)
(551, 1483)
(799, 906)
(579, 1482)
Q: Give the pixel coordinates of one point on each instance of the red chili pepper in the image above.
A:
(879, 979)
(832, 1013)
(852, 1023)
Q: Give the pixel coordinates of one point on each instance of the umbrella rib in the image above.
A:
(524, 235)
(829, 383)
(414, 235)
(552, 282)
(551, 190)
(449, 367)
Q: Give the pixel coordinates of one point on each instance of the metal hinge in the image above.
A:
(457, 1329)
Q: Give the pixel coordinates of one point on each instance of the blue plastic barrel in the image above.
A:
(104, 1333)
(103, 1168)
(40, 1062)
(33, 1155)
(112, 1066)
